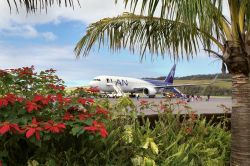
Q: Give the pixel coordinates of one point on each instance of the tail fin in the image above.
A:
(170, 78)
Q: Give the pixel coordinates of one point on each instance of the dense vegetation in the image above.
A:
(204, 91)
(42, 124)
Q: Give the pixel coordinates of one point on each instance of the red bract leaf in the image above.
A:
(34, 121)
(68, 116)
(56, 87)
(67, 100)
(11, 98)
(30, 132)
(30, 106)
(94, 90)
(84, 116)
(97, 127)
(33, 128)
(4, 129)
(3, 102)
(91, 128)
(37, 98)
(16, 127)
(54, 127)
(6, 126)
(85, 101)
(90, 100)
(103, 132)
(82, 101)
(100, 110)
(42, 99)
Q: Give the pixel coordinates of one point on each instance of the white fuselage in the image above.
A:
(127, 84)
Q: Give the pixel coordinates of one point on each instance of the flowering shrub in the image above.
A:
(43, 124)
(36, 112)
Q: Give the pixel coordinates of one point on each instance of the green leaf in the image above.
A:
(75, 130)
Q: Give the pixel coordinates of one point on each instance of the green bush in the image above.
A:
(42, 124)
(203, 91)
(172, 141)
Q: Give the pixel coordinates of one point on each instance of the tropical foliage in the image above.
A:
(36, 5)
(179, 29)
(37, 116)
(41, 124)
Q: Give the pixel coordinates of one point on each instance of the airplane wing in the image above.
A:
(180, 85)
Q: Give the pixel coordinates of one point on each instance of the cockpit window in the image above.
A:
(96, 79)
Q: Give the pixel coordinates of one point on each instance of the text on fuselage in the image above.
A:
(118, 82)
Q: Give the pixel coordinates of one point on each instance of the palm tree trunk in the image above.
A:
(240, 120)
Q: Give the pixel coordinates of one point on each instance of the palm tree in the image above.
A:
(179, 29)
(35, 5)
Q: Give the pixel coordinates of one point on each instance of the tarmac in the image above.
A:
(216, 105)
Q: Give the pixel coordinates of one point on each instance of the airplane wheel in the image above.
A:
(151, 96)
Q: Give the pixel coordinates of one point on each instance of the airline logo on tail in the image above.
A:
(170, 77)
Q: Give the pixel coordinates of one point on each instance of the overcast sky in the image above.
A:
(47, 41)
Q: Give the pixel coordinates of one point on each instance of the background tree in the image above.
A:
(35, 5)
(178, 29)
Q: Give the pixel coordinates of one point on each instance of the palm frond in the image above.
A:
(144, 34)
(35, 5)
(205, 14)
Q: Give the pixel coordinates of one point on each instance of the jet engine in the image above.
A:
(150, 92)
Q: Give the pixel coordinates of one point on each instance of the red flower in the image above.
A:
(85, 101)
(54, 127)
(97, 127)
(62, 100)
(56, 87)
(42, 99)
(100, 110)
(6, 126)
(68, 116)
(30, 106)
(94, 90)
(10, 98)
(66, 100)
(3, 102)
(33, 128)
(103, 132)
(84, 116)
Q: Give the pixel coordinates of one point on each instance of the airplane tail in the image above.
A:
(170, 78)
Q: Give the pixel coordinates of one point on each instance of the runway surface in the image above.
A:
(216, 105)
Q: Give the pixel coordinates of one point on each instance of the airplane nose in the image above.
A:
(93, 84)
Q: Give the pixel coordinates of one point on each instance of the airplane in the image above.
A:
(149, 87)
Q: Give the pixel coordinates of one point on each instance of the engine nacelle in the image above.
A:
(150, 92)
